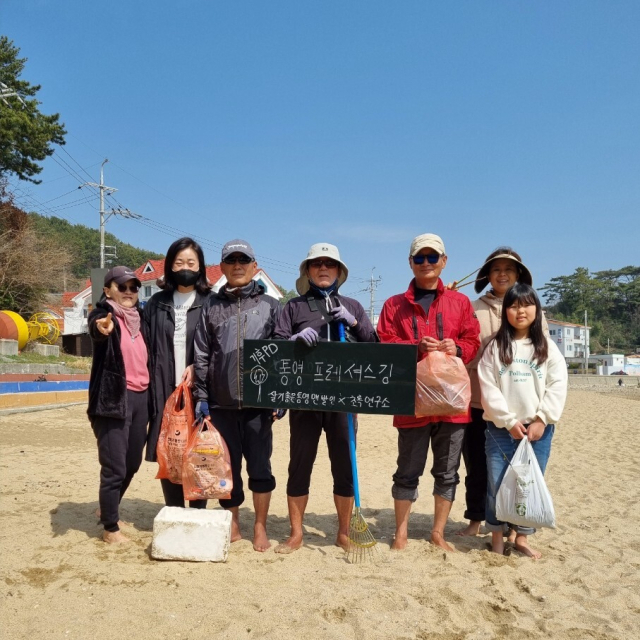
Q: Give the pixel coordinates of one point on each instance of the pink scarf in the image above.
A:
(129, 315)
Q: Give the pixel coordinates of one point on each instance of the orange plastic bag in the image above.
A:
(442, 386)
(206, 467)
(177, 418)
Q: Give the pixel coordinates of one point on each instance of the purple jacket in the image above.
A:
(310, 311)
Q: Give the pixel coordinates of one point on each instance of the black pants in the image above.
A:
(120, 447)
(475, 460)
(248, 434)
(306, 428)
(174, 495)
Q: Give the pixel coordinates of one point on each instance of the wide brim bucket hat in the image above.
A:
(320, 250)
(482, 279)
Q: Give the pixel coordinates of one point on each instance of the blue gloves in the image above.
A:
(342, 314)
(202, 410)
(308, 335)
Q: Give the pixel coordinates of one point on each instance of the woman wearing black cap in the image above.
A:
(118, 392)
(502, 269)
(171, 316)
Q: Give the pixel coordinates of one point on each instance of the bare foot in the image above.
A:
(522, 545)
(260, 540)
(472, 529)
(114, 537)
(342, 540)
(512, 536)
(399, 543)
(291, 544)
(438, 540)
(235, 531)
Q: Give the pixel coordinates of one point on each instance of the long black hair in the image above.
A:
(521, 294)
(168, 282)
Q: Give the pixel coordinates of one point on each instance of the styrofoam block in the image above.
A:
(198, 535)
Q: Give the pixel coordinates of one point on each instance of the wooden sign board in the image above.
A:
(352, 377)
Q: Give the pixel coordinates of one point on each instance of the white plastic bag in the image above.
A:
(523, 497)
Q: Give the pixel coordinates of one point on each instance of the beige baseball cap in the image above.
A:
(427, 240)
(320, 250)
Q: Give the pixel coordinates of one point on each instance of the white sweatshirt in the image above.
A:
(522, 390)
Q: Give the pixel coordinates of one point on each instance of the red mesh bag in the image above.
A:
(206, 467)
(442, 386)
(177, 418)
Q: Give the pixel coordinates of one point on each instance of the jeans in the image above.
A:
(500, 443)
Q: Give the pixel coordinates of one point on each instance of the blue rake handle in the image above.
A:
(352, 440)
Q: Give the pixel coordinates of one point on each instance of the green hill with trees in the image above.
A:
(611, 299)
(83, 243)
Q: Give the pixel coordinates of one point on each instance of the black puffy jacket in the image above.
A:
(107, 382)
(227, 320)
(160, 320)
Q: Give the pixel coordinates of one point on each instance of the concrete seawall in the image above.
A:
(602, 381)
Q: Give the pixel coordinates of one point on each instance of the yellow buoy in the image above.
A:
(21, 326)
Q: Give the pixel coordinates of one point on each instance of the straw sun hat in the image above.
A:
(524, 275)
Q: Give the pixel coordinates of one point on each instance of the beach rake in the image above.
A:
(459, 284)
(362, 545)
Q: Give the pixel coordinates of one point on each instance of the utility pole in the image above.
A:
(105, 215)
(109, 190)
(586, 344)
(372, 290)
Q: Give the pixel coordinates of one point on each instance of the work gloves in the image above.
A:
(308, 335)
(342, 314)
(202, 410)
(278, 414)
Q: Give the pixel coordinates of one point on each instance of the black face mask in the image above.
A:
(186, 277)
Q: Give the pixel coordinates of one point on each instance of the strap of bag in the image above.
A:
(313, 305)
(504, 455)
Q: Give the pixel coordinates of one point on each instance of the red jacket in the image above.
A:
(403, 321)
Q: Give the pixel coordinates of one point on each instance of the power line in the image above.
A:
(263, 258)
(271, 263)
(62, 196)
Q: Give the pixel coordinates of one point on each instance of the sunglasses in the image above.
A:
(134, 288)
(318, 264)
(431, 258)
(240, 259)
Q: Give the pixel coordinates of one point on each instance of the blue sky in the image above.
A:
(357, 123)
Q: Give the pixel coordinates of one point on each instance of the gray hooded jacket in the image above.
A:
(226, 321)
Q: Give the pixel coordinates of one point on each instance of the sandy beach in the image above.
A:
(59, 580)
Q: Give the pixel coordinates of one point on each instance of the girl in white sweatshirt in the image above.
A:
(523, 384)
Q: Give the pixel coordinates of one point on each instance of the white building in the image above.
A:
(75, 309)
(570, 338)
(608, 363)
